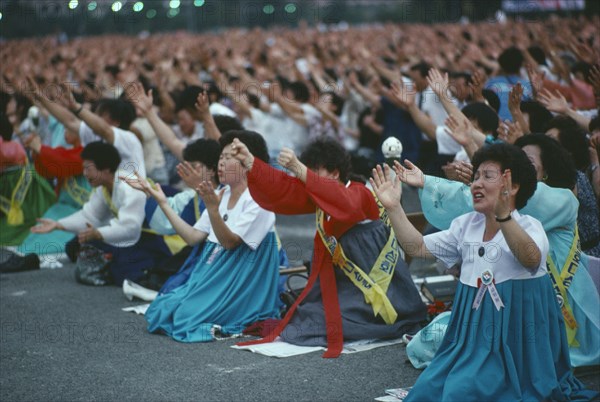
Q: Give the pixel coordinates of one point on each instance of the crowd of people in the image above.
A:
(159, 162)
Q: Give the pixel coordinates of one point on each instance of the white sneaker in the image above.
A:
(132, 289)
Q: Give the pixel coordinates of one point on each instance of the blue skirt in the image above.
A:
(519, 353)
(229, 289)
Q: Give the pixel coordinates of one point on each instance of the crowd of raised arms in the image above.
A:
(160, 162)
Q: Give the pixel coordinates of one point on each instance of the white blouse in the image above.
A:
(462, 242)
(246, 219)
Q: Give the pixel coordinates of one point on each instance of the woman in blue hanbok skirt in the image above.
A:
(233, 278)
(506, 337)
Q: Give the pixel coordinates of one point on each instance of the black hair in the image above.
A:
(539, 116)
(558, 164)
(511, 60)
(328, 154)
(492, 99)
(213, 89)
(227, 123)
(300, 91)
(203, 150)
(573, 138)
(104, 155)
(119, 110)
(22, 106)
(254, 141)
(594, 124)
(514, 158)
(187, 98)
(461, 74)
(486, 117)
(6, 129)
(583, 68)
(336, 100)
(422, 67)
(253, 100)
(538, 54)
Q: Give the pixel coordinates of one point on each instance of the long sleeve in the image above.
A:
(95, 212)
(350, 204)
(158, 221)
(278, 192)
(59, 162)
(125, 230)
(443, 200)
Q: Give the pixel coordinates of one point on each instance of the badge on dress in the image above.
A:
(486, 282)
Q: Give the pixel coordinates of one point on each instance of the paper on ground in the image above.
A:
(281, 349)
(140, 309)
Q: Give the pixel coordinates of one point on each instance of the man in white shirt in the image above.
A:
(112, 218)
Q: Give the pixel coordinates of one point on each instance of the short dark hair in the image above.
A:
(227, 123)
(6, 129)
(492, 99)
(254, 141)
(187, 98)
(336, 100)
(539, 116)
(485, 116)
(422, 67)
(511, 60)
(119, 110)
(573, 138)
(203, 150)
(104, 156)
(558, 164)
(538, 54)
(300, 91)
(328, 154)
(513, 158)
(594, 124)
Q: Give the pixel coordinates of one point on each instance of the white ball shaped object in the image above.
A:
(391, 148)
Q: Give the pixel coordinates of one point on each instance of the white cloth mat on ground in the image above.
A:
(279, 348)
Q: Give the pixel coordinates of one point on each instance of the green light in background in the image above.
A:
(199, 3)
(139, 6)
(117, 6)
(151, 14)
(73, 4)
(92, 6)
(174, 4)
(173, 12)
(268, 9)
(290, 8)
(0, 16)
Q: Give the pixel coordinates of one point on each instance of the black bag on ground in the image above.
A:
(92, 267)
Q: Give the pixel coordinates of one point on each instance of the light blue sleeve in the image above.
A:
(554, 207)
(443, 200)
(159, 222)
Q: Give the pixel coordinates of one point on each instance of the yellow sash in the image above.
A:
(79, 194)
(373, 286)
(561, 282)
(12, 207)
(174, 242)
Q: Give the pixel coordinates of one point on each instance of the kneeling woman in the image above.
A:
(364, 289)
(234, 279)
(506, 329)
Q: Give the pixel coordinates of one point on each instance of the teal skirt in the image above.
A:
(227, 290)
(519, 353)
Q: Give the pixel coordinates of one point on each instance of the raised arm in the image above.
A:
(404, 97)
(61, 113)
(143, 103)
(226, 237)
(389, 193)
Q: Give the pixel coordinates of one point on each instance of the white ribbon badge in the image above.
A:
(487, 282)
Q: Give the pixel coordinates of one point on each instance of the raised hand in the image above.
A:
(202, 105)
(460, 171)
(240, 151)
(536, 78)
(141, 100)
(438, 82)
(514, 99)
(34, 142)
(45, 226)
(502, 208)
(191, 176)
(554, 102)
(401, 95)
(459, 128)
(478, 80)
(141, 184)
(288, 159)
(409, 174)
(388, 191)
(211, 199)
(510, 132)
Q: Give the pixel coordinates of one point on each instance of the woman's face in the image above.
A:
(230, 169)
(534, 153)
(486, 187)
(186, 122)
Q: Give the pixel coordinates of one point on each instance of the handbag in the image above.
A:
(92, 266)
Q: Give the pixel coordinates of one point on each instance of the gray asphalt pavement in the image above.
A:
(60, 340)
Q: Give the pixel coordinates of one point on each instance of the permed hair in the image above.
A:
(203, 150)
(510, 157)
(254, 141)
(328, 154)
(573, 139)
(104, 156)
(558, 164)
